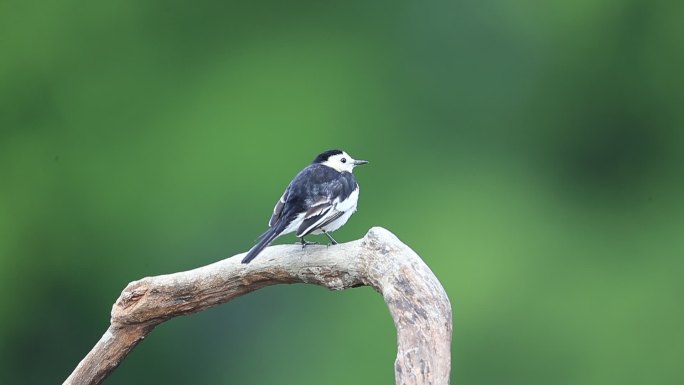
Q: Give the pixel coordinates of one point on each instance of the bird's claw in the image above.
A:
(306, 243)
(332, 240)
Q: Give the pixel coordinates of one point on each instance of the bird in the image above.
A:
(320, 199)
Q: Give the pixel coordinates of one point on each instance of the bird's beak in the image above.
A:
(360, 162)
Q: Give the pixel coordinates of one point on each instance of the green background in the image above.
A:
(531, 153)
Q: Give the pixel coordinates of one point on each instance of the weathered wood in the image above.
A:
(418, 303)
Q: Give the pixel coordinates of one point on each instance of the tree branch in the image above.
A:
(418, 303)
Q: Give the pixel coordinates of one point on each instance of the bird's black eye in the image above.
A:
(343, 160)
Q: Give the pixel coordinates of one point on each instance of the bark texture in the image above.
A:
(417, 301)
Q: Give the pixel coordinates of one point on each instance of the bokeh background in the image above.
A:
(530, 152)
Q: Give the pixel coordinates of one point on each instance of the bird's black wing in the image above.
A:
(278, 209)
(323, 188)
(318, 216)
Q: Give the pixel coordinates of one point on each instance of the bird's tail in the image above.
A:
(264, 240)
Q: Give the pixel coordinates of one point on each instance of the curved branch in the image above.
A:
(418, 303)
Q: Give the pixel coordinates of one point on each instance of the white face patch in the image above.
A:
(340, 162)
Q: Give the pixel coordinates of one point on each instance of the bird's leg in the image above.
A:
(332, 240)
(306, 243)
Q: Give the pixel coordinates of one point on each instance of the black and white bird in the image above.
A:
(320, 199)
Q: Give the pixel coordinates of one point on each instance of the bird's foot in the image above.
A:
(306, 243)
(332, 240)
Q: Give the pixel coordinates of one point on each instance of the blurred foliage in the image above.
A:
(530, 152)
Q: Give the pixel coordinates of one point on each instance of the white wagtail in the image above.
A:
(320, 199)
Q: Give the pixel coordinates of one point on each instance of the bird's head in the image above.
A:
(339, 160)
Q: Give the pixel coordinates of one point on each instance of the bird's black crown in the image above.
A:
(322, 157)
